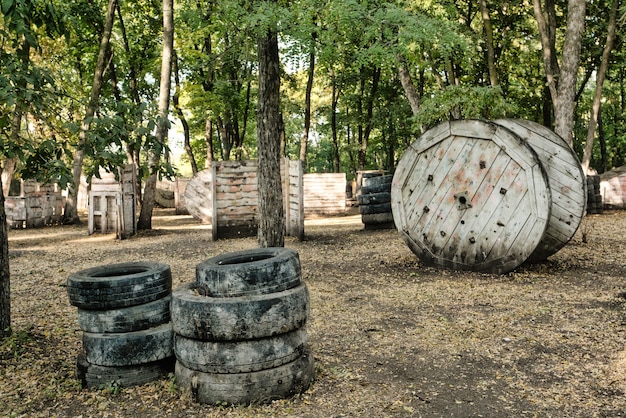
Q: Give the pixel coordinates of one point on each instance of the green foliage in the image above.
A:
(471, 102)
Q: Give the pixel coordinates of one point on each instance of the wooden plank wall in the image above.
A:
(293, 198)
(235, 198)
(112, 203)
(324, 194)
(226, 196)
(613, 188)
(36, 206)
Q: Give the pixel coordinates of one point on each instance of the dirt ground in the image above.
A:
(390, 336)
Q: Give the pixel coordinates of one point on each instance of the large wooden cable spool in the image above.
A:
(471, 195)
(566, 180)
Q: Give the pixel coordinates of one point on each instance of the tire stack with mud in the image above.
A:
(594, 195)
(239, 329)
(124, 313)
(375, 202)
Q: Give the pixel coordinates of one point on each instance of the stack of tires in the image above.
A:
(239, 329)
(124, 313)
(375, 202)
(594, 195)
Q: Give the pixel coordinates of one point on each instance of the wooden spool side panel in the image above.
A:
(566, 181)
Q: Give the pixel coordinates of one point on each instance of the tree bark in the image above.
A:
(208, 139)
(271, 231)
(70, 214)
(407, 85)
(333, 121)
(600, 77)
(307, 108)
(181, 116)
(562, 81)
(5, 282)
(147, 206)
(491, 55)
(18, 114)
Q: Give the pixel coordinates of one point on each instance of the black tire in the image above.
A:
(379, 188)
(133, 318)
(250, 272)
(374, 198)
(377, 218)
(240, 356)
(129, 348)
(239, 318)
(96, 377)
(374, 209)
(247, 388)
(377, 181)
(119, 285)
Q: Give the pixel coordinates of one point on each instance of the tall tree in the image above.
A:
(561, 79)
(271, 220)
(70, 213)
(600, 77)
(147, 206)
(5, 279)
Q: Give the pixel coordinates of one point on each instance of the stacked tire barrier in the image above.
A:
(239, 329)
(124, 313)
(375, 202)
(594, 195)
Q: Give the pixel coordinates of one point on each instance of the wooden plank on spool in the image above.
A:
(566, 181)
(471, 195)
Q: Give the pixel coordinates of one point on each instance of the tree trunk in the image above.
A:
(181, 116)
(601, 75)
(145, 216)
(70, 213)
(208, 138)
(407, 85)
(18, 114)
(307, 109)
(333, 122)
(491, 55)
(562, 81)
(271, 220)
(5, 282)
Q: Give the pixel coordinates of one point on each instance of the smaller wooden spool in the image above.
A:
(471, 195)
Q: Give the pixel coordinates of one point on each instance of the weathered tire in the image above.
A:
(133, 318)
(377, 188)
(239, 318)
(374, 198)
(119, 285)
(240, 356)
(250, 272)
(374, 209)
(377, 218)
(129, 348)
(94, 376)
(378, 181)
(247, 388)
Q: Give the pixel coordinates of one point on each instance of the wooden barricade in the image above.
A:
(226, 196)
(36, 206)
(112, 204)
(324, 194)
